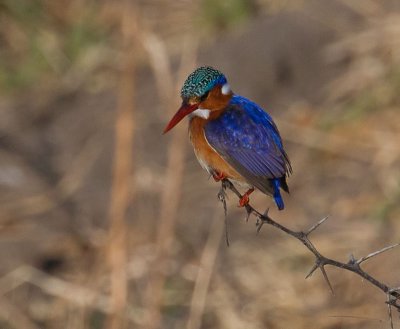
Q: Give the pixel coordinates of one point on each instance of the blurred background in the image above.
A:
(106, 223)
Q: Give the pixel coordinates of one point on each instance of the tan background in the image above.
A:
(104, 222)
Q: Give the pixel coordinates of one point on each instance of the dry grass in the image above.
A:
(121, 188)
(106, 223)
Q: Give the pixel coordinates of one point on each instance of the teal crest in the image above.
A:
(201, 81)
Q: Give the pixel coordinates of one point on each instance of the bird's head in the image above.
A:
(205, 90)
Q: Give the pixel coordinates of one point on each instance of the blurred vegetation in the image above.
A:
(220, 15)
(382, 94)
(337, 108)
(387, 210)
(42, 40)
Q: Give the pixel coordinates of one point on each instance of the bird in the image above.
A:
(233, 137)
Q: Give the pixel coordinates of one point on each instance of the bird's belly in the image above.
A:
(208, 158)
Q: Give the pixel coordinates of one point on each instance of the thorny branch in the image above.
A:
(353, 265)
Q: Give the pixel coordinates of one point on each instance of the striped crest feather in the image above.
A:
(201, 81)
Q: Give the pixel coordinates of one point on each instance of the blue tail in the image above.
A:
(277, 194)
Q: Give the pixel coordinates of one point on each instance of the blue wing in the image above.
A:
(247, 138)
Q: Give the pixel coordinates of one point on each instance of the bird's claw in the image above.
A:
(244, 200)
(218, 176)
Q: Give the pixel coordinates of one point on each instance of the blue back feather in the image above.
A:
(248, 139)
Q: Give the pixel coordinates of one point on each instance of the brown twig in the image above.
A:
(353, 265)
(122, 171)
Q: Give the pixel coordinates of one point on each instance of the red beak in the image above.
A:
(183, 111)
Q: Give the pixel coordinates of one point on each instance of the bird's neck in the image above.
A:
(215, 114)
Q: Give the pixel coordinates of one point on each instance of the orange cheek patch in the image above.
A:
(216, 100)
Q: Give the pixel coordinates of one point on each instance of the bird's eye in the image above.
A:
(204, 97)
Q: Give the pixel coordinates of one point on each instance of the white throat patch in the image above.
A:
(202, 113)
(226, 89)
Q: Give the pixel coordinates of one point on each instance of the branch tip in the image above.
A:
(376, 253)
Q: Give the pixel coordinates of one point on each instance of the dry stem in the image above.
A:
(353, 265)
(122, 171)
(203, 279)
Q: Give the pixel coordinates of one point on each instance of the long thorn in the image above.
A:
(316, 225)
(376, 253)
(259, 225)
(315, 266)
(260, 221)
(248, 213)
(326, 279)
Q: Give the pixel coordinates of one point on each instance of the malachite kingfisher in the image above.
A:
(232, 136)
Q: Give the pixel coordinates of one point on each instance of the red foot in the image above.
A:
(218, 176)
(244, 200)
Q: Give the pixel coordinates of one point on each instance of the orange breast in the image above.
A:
(207, 156)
